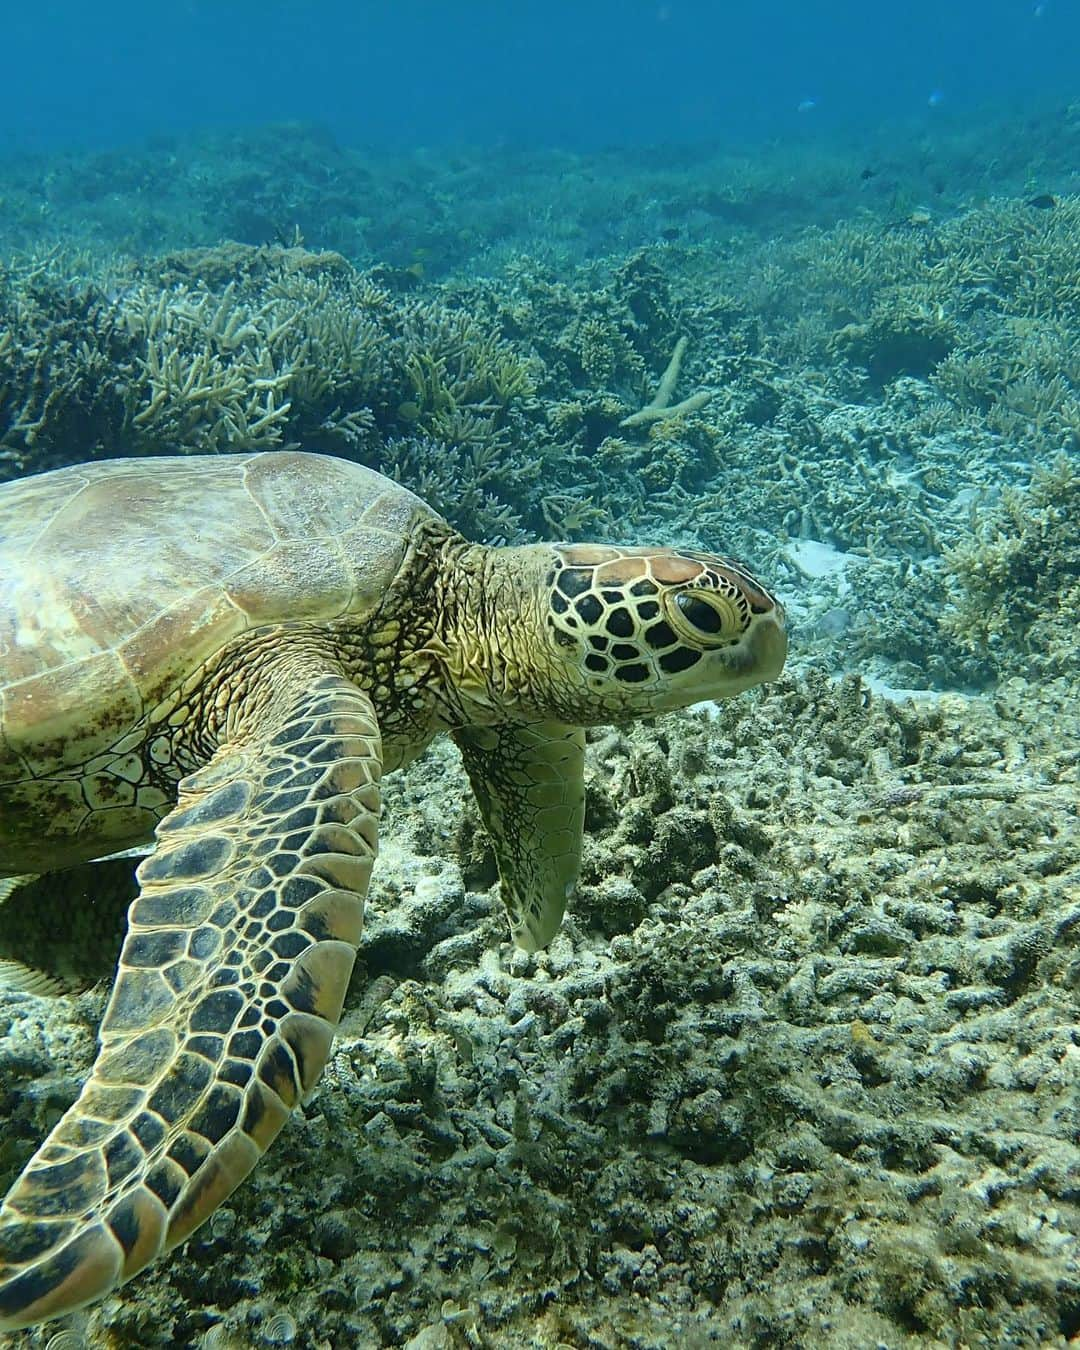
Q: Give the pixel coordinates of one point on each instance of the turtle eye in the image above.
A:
(706, 618)
(700, 613)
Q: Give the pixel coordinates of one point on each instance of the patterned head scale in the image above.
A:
(663, 627)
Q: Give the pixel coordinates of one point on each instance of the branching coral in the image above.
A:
(470, 484)
(904, 298)
(660, 407)
(278, 350)
(209, 380)
(1016, 582)
(906, 333)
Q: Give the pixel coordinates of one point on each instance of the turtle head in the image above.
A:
(648, 630)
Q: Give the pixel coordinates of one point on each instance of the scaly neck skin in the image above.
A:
(497, 657)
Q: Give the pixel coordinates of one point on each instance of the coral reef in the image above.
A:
(872, 382)
(248, 349)
(801, 1069)
(1016, 582)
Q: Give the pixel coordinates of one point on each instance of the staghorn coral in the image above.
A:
(1022, 375)
(905, 296)
(595, 339)
(906, 333)
(209, 378)
(468, 482)
(65, 359)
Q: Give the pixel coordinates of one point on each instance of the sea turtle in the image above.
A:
(222, 655)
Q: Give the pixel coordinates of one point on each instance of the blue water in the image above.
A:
(499, 72)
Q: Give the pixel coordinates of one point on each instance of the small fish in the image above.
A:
(807, 105)
(672, 232)
(1043, 202)
(867, 174)
(936, 99)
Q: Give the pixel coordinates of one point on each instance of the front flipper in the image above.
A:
(529, 782)
(9, 885)
(228, 991)
(15, 976)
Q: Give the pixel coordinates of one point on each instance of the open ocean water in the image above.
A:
(797, 285)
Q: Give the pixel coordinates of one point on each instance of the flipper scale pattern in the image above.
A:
(229, 988)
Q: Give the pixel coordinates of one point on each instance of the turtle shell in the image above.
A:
(119, 579)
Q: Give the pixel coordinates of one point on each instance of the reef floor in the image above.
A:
(801, 1068)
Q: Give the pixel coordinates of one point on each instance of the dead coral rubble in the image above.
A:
(804, 1057)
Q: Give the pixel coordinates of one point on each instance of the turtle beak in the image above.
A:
(756, 659)
(768, 645)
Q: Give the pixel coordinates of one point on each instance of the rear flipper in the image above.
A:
(229, 988)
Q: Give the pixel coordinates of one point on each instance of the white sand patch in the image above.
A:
(816, 560)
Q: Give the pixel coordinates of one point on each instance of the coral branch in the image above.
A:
(661, 405)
